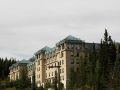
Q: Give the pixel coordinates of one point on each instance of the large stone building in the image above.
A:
(67, 54)
(15, 69)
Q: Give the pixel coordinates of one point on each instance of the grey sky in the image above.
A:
(28, 25)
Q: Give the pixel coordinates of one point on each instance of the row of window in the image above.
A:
(52, 56)
(75, 69)
(38, 56)
(53, 73)
(38, 69)
(61, 62)
(38, 62)
(38, 76)
(77, 61)
(73, 54)
(51, 79)
(69, 46)
(15, 68)
(60, 47)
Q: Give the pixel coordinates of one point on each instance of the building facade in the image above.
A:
(15, 69)
(67, 54)
(31, 70)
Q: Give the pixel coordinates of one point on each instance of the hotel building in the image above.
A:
(67, 54)
(15, 69)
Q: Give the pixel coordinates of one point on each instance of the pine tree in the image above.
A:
(55, 81)
(116, 72)
(33, 81)
(106, 63)
(23, 82)
(92, 67)
(4, 67)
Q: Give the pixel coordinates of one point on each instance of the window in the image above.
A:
(49, 74)
(59, 48)
(77, 54)
(62, 54)
(52, 73)
(37, 56)
(72, 61)
(60, 70)
(67, 46)
(46, 75)
(62, 46)
(72, 46)
(72, 53)
(62, 61)
(72, 69)
(77, 61)
(63, 70)
(86, 55)
(38, 62)
(63, 77)
(77, 69)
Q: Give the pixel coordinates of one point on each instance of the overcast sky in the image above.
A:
(28, 25)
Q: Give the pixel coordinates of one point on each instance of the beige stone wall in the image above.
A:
(14, 73)
(67, 57)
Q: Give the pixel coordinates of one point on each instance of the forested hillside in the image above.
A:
(4, 67)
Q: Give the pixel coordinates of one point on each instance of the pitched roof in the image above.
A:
(20, 62)
(24, 61)
(70, 39)
(44, 49)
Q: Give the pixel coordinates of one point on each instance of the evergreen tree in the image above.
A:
(4, 67)
(106, 63)
(92, 68)
(84, 72)
(116, 72)
(55, 81)
(23, 82)
(33, 81)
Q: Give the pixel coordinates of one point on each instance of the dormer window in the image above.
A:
(39, 55)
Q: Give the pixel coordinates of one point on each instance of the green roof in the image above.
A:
(70, 39)
(44, 49)
(20, 62)
(24, 61)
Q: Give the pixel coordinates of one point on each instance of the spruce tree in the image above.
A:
(116, 72)
(92, 67)
(33, 81)
(106, 62)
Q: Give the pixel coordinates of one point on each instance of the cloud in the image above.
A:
(28, 25)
